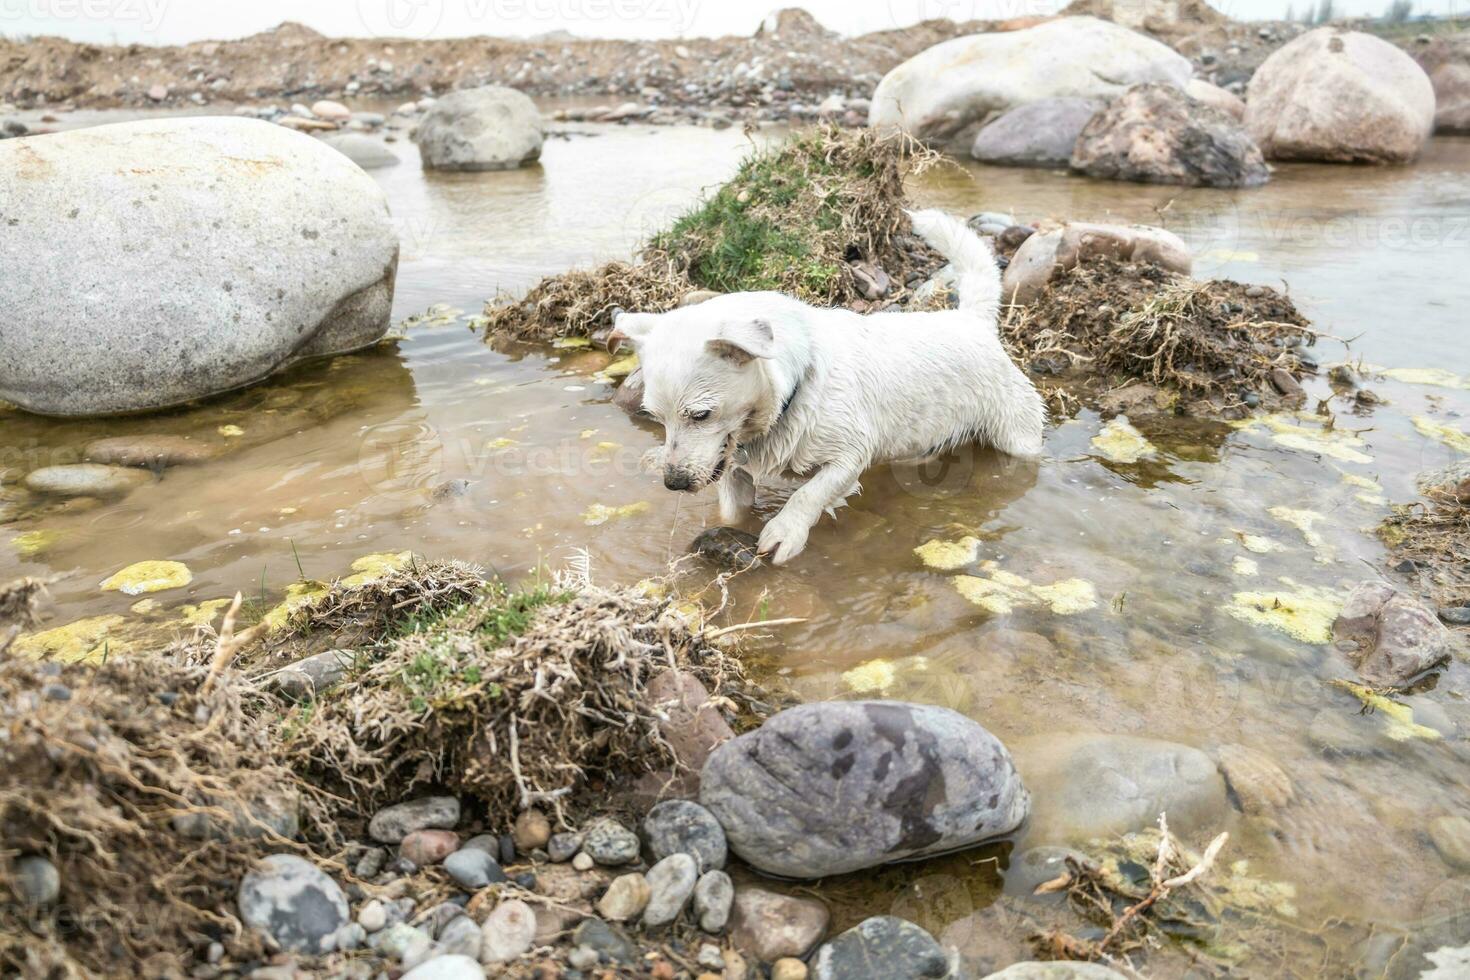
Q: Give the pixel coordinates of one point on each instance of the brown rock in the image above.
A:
(1213, 95)
(151, 451)
(1259, 783)
(1451, 98)
(1389, 637)
(694, 726)
(425, 847)
(563, 883)
(532, 830)
(769, 925)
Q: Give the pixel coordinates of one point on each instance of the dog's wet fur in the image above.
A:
(753, 386)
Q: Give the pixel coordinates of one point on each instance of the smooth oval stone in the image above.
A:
(293, 902)
(883, 946)
(149, 451)
(685, 827)
(391, 824)
(670, 884)
(85, 480)
(828, 788)
(610, 843)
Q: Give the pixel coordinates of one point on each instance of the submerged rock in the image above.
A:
(154, 452)
(946, 88)
(1259, 783)
(202, 254)
(1389, 637)
(883, 946)
(1036, 134)
(1158, 135)
(83, 479)
(914, 780)
(1340, 96)
(366, 152)
(728, 547)
(1087, 786)
(488, 128)
(290, 900)
(1058, 970)
(1451, 837)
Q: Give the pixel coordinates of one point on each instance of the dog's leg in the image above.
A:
(737, 495)
(784, 535)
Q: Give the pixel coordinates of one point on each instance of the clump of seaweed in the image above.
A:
(1433, 540)
(793, 218)
(517, 697)
(1216, 340)
(106, 770)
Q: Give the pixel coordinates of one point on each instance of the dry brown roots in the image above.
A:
(1435, 538)
(518, 699)
(20, 602)
(100, 783)
(1115, 322)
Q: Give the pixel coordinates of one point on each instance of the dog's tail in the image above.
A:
(976, 274)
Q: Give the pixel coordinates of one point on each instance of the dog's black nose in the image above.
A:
(677, 480)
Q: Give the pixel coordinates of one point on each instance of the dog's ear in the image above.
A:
(744, 341)
(629, 328)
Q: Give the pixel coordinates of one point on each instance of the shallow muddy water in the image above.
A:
(340, 459)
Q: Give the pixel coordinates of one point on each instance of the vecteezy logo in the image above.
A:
(400, 18)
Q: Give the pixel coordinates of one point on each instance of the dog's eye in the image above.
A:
(699, 416)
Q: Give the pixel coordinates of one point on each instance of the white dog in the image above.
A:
(753, 386)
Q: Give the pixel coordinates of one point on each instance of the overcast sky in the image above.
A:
(177, 21)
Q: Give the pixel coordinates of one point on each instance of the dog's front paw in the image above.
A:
(783, 538)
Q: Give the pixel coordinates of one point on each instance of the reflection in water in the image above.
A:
(442, 445)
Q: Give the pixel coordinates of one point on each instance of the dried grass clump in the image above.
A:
(791, 219)
(1214, 339)
(94, 783)
(1435, 538)
(518, 698)
(20, 605)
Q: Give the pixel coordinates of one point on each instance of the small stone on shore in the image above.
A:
(392, 824)
(610, 843)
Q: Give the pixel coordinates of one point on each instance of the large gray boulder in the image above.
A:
(1037, 134)
(1340, 96)
(940, 92)
(828, 788)
(152, 263)
(1099, 786)
(490, 128)
(1156, 134)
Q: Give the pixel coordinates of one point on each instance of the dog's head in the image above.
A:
(703, 379)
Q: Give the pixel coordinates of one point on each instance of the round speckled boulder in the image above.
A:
(829, 788)
(292, 901)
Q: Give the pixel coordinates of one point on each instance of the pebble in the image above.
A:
(1456, 615)
(426, 847)
(391, 825)
(787, 968)
(769, 925)
(372, 916)
(434, 921)
(671, 884)
(685, 827)
(86, 480)
(291, 900)
(883, 946)
(583, 862)
(37, 882)
(371, 863)
(625, 898)
(507, 849)
(532, 830)
(583, 958)
(451, 967)
(710, 957)
(461, 936)
(563, 847)
(508, 932)
(610, 843)
(350, 937)
(1451, 837)
(608, 941)
(713, 897)
(472, 868)
(402, 942)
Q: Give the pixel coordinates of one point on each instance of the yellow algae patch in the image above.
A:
(204, 613)
(1304, 613)
(571, 343)
(1361, 482)
(607, 447)
(504, 442)
(299, 595)
(230, 431)
(84, 641)
(148, 576)
(1120, 442)
(1230, 255)
(1258, 544)
(145, 607)
(1446, 434)
(1245, 567)
(1313, 439)
(1398, 723)
(620, 368)
(1433, 377)
(1001, 592)
(873, 677)
(587, 433)
(947, 556)
(1302, 520)
(602, 513)
(370, 568)
(32, 544)
(1372, 499)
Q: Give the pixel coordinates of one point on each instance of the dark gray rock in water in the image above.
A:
(727, 546)
(1158, 135)
(685, 827)
(883, 946)
(1085, 786)
(288, 899)
(1389, 637)
(1036, 134)
(912, 781)
(1036, 866)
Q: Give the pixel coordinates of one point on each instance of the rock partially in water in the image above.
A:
(685, 827)
(883, 946)
(1036, 134)
(1259, 783)
(290, 254)
(1451, 83)
(728, 547)
(366, 152)
(391, 824)
(915, 780)
(769, 925)
(290, 900)
(1087, 786)
(1036, 866)
(1058, 970)
(154, 452)
(1158, 135)
(85, 480)
(1389, 637)
(488, 128)
(1340, 96)
(671, 884)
